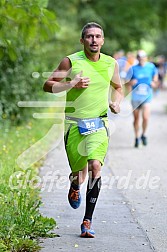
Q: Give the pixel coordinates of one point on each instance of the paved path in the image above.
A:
(150, 162)
(130, 215)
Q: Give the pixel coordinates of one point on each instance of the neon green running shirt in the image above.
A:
(92, 101)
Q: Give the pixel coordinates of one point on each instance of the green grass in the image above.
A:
(21, 223)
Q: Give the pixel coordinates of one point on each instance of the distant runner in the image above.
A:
(143, 77)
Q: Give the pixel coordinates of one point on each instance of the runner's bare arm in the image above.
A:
(154, 83)
(132, 82)
(54, 84)
(117, 91)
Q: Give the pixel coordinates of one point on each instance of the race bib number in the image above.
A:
(142, 89)
(88, 126)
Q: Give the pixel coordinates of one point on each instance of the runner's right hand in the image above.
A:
(79, 81)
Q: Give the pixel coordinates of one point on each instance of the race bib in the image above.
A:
(142, 89)
(88, 126)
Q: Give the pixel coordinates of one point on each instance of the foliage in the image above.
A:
(25, 26)
(21, 216)
(161, 48)
(36, 43)
(125, 24)
(21, 223)
(161, 13)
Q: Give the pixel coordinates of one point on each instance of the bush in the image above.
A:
(25, 27)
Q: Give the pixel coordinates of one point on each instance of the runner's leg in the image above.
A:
(145, 115)
(93, 187)
(136, 115)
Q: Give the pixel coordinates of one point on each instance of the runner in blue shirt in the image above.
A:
(143, 77)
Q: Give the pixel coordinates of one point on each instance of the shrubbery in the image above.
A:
(26, 26)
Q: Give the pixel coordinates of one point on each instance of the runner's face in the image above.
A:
(142, 60)
(93, 40)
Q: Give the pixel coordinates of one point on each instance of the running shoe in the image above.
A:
(137, 142)
(144, 140)
(74, 198)
(86, 231)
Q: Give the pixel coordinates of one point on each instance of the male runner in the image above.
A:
(88, 76)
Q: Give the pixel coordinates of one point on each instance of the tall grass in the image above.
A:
(21, 223)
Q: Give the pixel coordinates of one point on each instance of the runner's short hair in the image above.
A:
(90, 25)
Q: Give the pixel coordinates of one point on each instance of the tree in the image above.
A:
(25, 27)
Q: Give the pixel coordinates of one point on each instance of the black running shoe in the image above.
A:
(144, 140)
(137, 142)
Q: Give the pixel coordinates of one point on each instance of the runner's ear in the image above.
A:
(81, 41)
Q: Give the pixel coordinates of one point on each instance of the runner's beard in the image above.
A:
(94, 50)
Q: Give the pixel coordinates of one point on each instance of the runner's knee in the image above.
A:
(94, 168)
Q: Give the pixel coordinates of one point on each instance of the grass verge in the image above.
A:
(21, 223)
